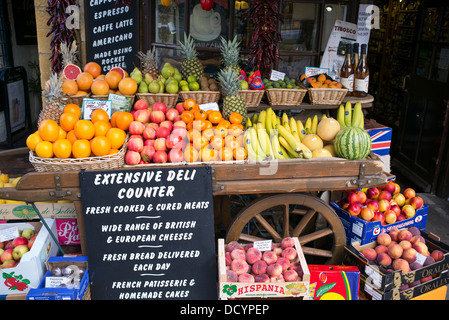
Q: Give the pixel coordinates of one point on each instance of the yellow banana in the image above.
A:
(357, 116)
(278, 121)
(284, 119)
(277, 153)
(254, 118)
(323, 116)
(287, 147)
(348, 114)
(308, 125)
(273, 120)
(294, 129)
(262, 138)
(288, 137)
(261, 118)
(307, 154)
(248, 146)
(284, 152)
(314, 124)
(341, 116)
(248, 123)
(268, 121)
(301, 130)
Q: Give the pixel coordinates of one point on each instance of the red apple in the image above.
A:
(390, 187)
(409, 193)
(352, 197)
(149, 132)
(385, 195)
(147, 153)
(157, 116)
(132, 157)
(361, 196)
(178, 131)
(174, 141)
(153, 125)
(140, 105)
(168, 124)
(162, 132)
(373, 204)
(179, 124)
(416, 202)
(160, 157)
(136, 127)
(159, 106)
(142, 115)
(384, 205)
(372, 193)
(175, 155)
(390, 217)
(354, 209)
(19, 241)
(366, 213)
(31, 241)
(171, 114)
(160, 145)
(135, 144)
(148, 142)
(180, 107)
(6, 255)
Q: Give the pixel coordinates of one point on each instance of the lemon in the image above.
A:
(4, 178)
(194, 86)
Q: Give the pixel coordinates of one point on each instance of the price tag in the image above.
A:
(119, 102)
(264, 245)
(55, 282)
(89, 105)
(9, 234)
(420, 258)
(312, 71)
(277, 75)
(209, 106)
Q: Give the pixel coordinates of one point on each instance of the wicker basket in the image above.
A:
(285, 97)
(326, 95)
(169, 99)
(252, 97)
(105, 97)
(78, 100)
(113, 161)
(201, 97)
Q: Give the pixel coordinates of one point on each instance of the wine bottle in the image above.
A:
(347, 71)
(355, 55)
(361, 81)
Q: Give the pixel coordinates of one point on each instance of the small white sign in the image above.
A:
(209, 106)
(277, 75)
(9, 234)
(264, 245)
(312, 71)
(55, 282)
(119, 102)
(89, 105)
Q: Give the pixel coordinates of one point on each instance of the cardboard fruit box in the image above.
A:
(363, 232)
(334, 282)
(391, 284)
(256, 290)
(29, 271)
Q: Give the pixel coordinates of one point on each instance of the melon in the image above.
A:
(71, 71)
(312, 141)
(328, 128)
(352, 143)
(321, 152)
(330, 148)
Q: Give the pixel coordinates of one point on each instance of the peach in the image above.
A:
(390, 217)
(352, 197)
(414, 231)
(290, 275)
(253, 255)
(279, 278)
(409, 193)
(354, 209)
(394, 234)
(269, 257)
(287, 242)
(409, 255)
(369, 254)
(284, 262)
(262, 278)
(405, 244)
(246, 277)
(239, 266)
(228, 258)
(247, 246)
(384, 195)
(238, 254)
(400, 199)
(297, 267)
(274, 269)
(366, 213)
(383, 239)
(437, 255)
(384, 259)
(373, 204)
(408, 211)
(404, 235)
(361, 196)
(277, 249)
(417, 239)
(421, 247)
(417, 202)
(259, 267)
(289, 253)
(401, 264)
(414, 283)
(425, 279)
(381, 249)
(395, 251)
(429, 260)
(415, 265)
(232, 276)
(373, 193)
(390, 187)
(392, 243)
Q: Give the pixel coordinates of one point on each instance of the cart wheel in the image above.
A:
(313, 221)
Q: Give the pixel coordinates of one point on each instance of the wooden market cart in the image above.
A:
(274, 199)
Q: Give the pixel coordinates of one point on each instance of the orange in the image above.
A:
(206, 124)
(113, 78)
(235, 117)
(240, 153)
(217, 142)
(99, 87)
(44, 149)
(62, 148)
(102, 127)
(235, 129)
(73, 108)
(71, 136)
(230, 142)
(84, 129)
(321, 78)
(99, 115)
(123, 120)
(92, 68)
(117, 137)
(208, 133)
(113, 151)
(239, 140)
(187, 116)
(62, 133)
(84, 81)
(225, 154)
(70, 87)
(32, 141)
(100, 146)
(80, 93)
(193, 134)
(189, 103)
(49, 130)
(113, 118)
(200, 114)
(221, 131)
(67, 121)
(101, 76)
(200, 142)
(224, 123)
(81, 148)
(215, 117)
(190, 153)
(206, 154)
(127, 86)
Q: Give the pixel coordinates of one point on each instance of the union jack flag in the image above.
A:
(380, 140)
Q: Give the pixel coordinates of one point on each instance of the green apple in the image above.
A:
(27, 233)
(244, 85)
(191, 79)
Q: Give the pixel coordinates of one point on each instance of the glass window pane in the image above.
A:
(300, 28)
(206, 27)
(169, 23)
(243, 29)
(294, 66)
(332, 12)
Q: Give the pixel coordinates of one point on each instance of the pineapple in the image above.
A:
(149, 63)
(230, 53)
(230, 86)
(191, 66)
(69, 55)
(54, 98)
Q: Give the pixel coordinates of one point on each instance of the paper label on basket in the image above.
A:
(209, 106)
(312, 71)
(89, 105)
(119, 102)
(264, 245)
(9, 234)
(277, 75)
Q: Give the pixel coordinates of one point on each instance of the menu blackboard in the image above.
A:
(112, 34)
(150, 233)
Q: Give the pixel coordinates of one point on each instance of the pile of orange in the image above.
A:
(75, 137)
(92, 80)
(211, 137)
(321, 82)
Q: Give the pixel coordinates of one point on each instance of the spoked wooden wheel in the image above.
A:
(313, 221)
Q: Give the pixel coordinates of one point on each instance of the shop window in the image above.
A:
(5, 46)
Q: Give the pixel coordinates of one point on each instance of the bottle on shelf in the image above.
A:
(361, 81)
(355, 55)
(347, 71)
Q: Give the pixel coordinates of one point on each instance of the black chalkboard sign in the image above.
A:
(150, 233)
(112, 34)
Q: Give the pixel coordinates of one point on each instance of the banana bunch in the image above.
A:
(347, 117)
(268, 136)
(311, 125)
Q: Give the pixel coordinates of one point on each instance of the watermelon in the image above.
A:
(352, 143)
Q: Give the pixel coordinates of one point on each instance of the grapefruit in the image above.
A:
(71, 71)
(119, 70)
